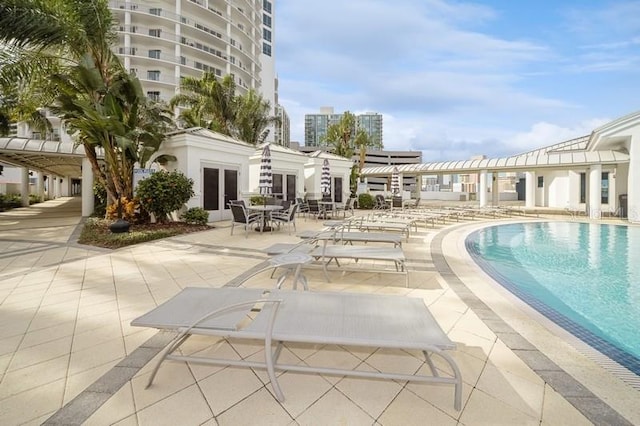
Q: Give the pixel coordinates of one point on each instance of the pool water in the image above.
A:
(585, 277)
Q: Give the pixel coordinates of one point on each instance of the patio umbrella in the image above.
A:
(266, 177)
(395, 182)
(325, 178)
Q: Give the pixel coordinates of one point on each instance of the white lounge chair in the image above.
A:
(278, 317)
(328, 252)
(350, 237)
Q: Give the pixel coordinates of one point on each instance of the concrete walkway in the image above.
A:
(69, 356)
(41, 236)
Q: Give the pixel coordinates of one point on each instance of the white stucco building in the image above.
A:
(596, 173)
(224, 169)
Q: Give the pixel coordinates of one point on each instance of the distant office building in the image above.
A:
(165, 40)
(315, 126)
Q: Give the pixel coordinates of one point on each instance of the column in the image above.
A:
(482, 191)
(24, 187)
(40, 185)
(50, 183)
(87, 188)
(495, 192)
(56, 187)
(530, 190)
(633, 183)
(595, 190)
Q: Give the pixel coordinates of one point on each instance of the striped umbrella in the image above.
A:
(395, 181)
(325, 178)
(266, 177)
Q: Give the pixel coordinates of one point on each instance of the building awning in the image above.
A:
(536, 159)
(62, 158)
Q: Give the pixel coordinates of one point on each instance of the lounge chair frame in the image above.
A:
(277, 317)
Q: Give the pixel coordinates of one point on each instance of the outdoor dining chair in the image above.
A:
(287, 217)
(244, 218)
(303, 207)
(314, 208)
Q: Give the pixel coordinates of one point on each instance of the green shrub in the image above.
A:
(365, 201)
(12, 201)
(257, 200)
(196, 215)
(164, 192)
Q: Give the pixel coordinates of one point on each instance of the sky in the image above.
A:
(456, 79)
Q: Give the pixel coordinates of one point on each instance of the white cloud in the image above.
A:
(446, 81)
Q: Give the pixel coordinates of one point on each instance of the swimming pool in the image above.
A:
(583, 276)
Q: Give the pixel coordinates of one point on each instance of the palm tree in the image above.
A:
(362, 141)
(61, 50)
(340, 135)
(212, 103)
(209, 102)
(252, 118)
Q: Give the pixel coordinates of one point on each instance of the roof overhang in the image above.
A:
(61, 158)
(570, 159)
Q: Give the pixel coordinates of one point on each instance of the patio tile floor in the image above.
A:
(65, 338)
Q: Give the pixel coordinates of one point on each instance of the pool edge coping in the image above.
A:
(572, 389)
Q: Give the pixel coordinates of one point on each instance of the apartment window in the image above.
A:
(155, 54)
(133, 71)
(155, 11)
(266, 49)
(153, 75)
(154, 96)
(540, 181)
(266, 20)
(266, 34)
(604, 191)
(155, 32)
(266, 5)
(183, 60)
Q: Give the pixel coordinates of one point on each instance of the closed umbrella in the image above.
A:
(266, 177)
(325, 178)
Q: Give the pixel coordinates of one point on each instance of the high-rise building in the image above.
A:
(315, 126)
(283, 127)
(165, 40)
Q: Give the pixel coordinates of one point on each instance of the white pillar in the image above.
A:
(65, 186)
(50, 185)
(87, 188)
(633, 183)
(483, 188)
(24, 187)
(595, 189)
(530, 190)
(40, 185)
(495, 193)
(56, 187)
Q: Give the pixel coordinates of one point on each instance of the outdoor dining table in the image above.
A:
(266, 210)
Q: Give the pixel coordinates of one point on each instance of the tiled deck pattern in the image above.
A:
(65, 336)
